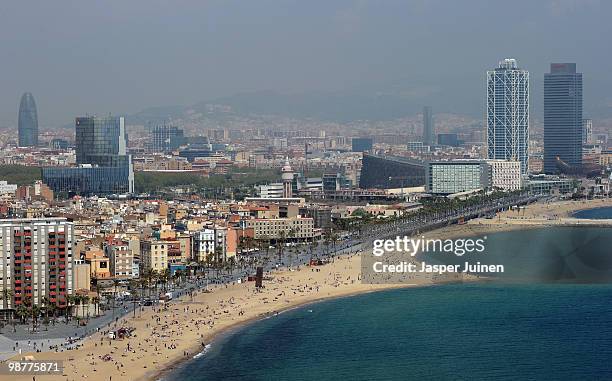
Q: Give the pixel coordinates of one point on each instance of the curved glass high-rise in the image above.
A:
(28, 121)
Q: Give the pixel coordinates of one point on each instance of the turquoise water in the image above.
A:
(454, 332)
(555, 323)
(559, 254)
(595, 214)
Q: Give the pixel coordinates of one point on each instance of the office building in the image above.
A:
(505, 175)
(166, 138)
(587, 131)
(562, 117)
(429, 133)
(59, 144)
(333, 182)
(384, 172)
(27, 124)
(416, 147)
(508, 113)
(89, 180)
(448, 139)
(457, 176)
(104, 167)
(543, 184)
(274, 190)
(36, 262)
(101, 141)
(361, 144)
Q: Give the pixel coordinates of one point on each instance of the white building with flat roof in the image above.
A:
(6, 188)
(505, 174)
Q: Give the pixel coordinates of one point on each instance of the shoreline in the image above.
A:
(337, 279)
(230, 330)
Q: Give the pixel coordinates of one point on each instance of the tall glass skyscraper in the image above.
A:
(562, 116)
(104, 167)
(100, 141)
(27, 124)
(429, 134)
(508, 113)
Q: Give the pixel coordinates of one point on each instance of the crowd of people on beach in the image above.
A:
(182, 328)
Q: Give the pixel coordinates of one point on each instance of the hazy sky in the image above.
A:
(122, 56)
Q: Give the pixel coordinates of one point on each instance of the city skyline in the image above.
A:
(357, 67)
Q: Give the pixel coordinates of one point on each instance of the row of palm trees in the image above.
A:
(150, 280)
(47, 310)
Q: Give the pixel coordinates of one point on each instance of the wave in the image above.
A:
(203, 352)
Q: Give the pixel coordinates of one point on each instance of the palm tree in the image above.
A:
(247, 243)
(143, 284)
(96, 301)
(177, 277)
(46, 303)
(6, 294)
(153, 276)
(52, 308)
(313, 247)
(70, 301)
(115, 284)
(165, 276)
(35, 309)
(134, 290)
(98, 294)
(77, 302)
(280, 244)
(22, 312)
(85, 300)
(264, 242)
(327, 240)
(27, 302)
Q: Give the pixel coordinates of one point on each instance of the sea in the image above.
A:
(595, 214)
(550, 318)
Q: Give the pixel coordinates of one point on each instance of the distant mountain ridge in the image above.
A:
(372, 104)
(339, 107)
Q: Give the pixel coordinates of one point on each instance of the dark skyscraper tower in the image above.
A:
(562, 116)
(27, 124)
(429, 133)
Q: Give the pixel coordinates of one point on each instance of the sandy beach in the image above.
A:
(539, 215)
(165, 337)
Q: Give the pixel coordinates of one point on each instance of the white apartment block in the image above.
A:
(505, 174)
(210, 241)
